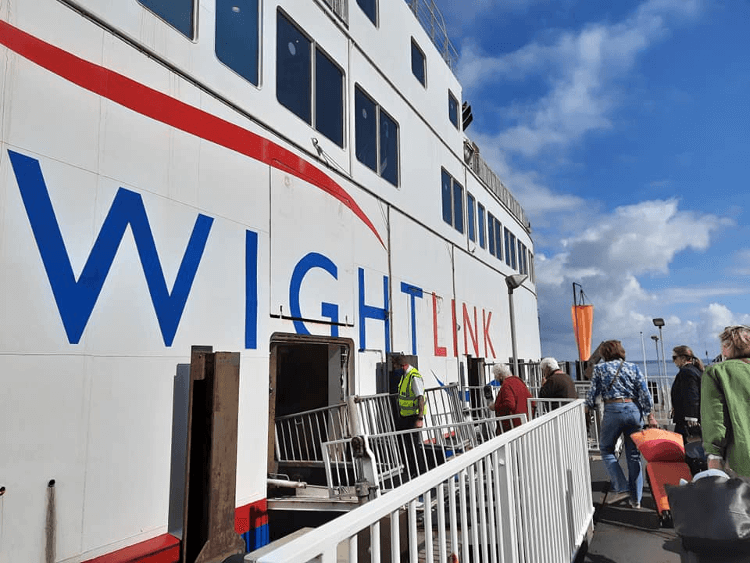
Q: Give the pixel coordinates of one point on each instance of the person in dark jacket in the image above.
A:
(686, 393)
(556, 384)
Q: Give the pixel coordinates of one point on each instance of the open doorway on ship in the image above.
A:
(310, 378)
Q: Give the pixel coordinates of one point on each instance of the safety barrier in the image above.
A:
(522, 496)
(299, 436)
(381, 462)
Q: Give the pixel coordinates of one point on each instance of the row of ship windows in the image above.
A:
(308, 82)
(320, 103)
(482, 227)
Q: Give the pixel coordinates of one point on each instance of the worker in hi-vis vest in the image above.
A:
(410, 393)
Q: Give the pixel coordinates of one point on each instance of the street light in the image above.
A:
(660, 323)
(514, 282)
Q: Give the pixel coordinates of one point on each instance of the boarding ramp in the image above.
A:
(370, 465)
(299, 436)
(522, 496)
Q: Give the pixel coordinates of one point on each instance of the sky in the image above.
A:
(623, 129)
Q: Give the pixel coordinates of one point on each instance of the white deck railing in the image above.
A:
(522, 496)
(383, 462)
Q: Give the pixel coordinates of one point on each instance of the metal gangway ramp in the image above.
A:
(523, 496)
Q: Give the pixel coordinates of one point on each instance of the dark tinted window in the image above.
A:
(388, 149)
(513, 252)
(480, 214)
(507, 247)
(499, 240)
(417, 63)
(491, 233)
(177, 13)
(293, 74)
(370, 8)
(447, 198)
(458, 206)
(366, 125)
(453, 109)
(237, 42)
(470, 211)
(329, 98)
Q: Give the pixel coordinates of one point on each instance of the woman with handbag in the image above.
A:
(627, 401)
(686, 393)
(725, 404)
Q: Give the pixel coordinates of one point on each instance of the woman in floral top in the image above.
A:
(623, 389)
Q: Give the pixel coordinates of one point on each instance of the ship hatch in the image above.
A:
(309, 382)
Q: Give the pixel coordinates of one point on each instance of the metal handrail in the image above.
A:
(299, 436)
(496, 186)
(394, 458)
(525, 495)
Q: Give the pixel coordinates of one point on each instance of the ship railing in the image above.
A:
(660, 387)
(522, 496)
(496, 186)
(379, 413)
(299, 436)
(340, 8)
(382, 462)
(429, 16)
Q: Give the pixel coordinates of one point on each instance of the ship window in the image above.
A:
(532, 276)
(510, 249)
(470, 216)
(498, 239)
(329, 98)
(522, 264)
(237, 38)
(458, 206)
(376, 137)
(418, 63)
(370, 8)
(447, 199)
(177, 13)
(388, 148)
(453, 202)
(295, 68)
(491, 233)
(480, 216)
(453, 109)
(293, 72)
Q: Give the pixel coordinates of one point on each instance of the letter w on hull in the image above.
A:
(76, 299)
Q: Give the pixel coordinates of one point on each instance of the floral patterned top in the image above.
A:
(630, 384)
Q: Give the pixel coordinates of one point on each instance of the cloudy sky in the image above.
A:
(623, 128)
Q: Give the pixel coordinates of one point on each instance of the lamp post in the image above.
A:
(656, 342)
(660, 323)
(514, 282)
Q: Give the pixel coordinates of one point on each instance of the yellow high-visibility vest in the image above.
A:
(408, 402)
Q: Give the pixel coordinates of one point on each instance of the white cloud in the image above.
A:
(584, 70)
(607, 258)
(741, 262)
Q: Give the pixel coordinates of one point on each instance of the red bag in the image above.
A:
(657, 444)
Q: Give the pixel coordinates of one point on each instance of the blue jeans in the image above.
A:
(622, 418)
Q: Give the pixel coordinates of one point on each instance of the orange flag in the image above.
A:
(583, 324)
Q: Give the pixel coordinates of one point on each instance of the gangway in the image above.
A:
(522, 496)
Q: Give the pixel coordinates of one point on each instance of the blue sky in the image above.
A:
(623, 128)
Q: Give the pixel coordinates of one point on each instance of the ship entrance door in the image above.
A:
(307, 373)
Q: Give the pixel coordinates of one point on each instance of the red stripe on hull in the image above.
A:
(165, 109)
(161, 549)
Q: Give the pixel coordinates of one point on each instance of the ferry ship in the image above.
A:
(290, 181)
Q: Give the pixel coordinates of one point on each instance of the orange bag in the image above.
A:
(657, 444)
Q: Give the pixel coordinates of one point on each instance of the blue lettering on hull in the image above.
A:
(76, 298)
